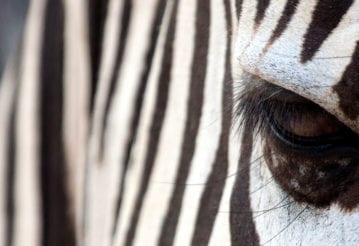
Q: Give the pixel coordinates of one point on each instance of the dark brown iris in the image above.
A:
(312, 125)
(303, 122)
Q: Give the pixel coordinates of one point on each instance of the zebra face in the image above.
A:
(299, 88)
(299, 78)
(313, 69)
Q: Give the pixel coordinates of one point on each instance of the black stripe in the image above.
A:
(10, 184)
(136, 116)
(243, 230)
(262, 6)
(239, 4)
(284, 20)
(11, 158)
(96, 19)
(125, 22)
(58, 225)
(348, 87)
(156, 124)
(10, 176)
(194, 107)
(326, 17)
(213, 191)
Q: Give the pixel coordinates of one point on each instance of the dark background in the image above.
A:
(12, 18)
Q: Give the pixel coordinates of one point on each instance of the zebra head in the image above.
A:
(181, 122)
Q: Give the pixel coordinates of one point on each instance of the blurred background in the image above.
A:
(12, 18)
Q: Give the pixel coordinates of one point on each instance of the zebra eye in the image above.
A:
(311, 155)
(306, 126)
(310, 139)
(295, 121)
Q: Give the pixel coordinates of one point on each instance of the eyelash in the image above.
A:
(265, 116)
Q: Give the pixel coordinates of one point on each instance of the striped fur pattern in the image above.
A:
(151, 123)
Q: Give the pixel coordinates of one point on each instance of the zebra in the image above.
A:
(180, 122)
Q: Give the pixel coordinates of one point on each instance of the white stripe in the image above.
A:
(76, 104)
(27, 186)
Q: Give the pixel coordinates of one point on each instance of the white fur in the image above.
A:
(281, 64)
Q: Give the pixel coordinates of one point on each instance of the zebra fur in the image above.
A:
(121, 122)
